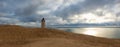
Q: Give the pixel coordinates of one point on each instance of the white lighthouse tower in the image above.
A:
(43, 23)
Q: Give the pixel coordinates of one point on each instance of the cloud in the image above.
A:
(2, 4)
(82, 7)
(59, 11)
(4, 20)
(88, 6)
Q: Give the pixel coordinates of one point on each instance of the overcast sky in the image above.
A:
(59, 12)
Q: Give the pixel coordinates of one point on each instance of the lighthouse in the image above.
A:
(43, 23)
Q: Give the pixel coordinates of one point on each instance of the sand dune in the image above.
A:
(17, 36)
(56, 42)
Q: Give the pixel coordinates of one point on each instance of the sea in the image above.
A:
(105, 32)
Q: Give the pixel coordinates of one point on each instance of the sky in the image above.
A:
(59, 12)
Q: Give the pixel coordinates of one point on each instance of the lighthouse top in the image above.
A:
(43, 20)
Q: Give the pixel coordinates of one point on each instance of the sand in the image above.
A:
(17, 36)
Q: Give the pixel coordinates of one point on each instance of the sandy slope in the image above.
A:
(56, 42)
(16, 36)
(62, 42)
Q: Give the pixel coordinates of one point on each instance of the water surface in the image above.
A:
(99, 32)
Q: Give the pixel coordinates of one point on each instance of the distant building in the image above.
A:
(43, 23)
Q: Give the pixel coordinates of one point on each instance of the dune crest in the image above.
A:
(17, 36)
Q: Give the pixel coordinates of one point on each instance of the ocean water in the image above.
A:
(98, 32)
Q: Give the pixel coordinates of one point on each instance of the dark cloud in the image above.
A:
(118, 14)
(68, 11)
(82, 7)
(25, 10)
(26, 13)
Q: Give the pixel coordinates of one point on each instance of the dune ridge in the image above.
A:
(17, 36)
